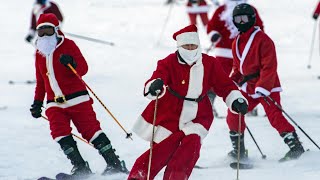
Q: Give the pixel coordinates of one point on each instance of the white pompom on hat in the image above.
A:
(187, 35)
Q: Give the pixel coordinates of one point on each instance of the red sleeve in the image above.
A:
(161, 72)
(235, 74)
(259, 21)
(82, 66)
(268, 60)
(215, 24)
(56, 11)
(317, 11)
(40, 89)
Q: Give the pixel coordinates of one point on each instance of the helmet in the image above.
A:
(244, 17)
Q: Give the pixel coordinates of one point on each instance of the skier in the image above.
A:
(40, 7)
(184, 113)
(222, 32)
(67, 97)
(316, 12)
(255, 72)
(195, 8)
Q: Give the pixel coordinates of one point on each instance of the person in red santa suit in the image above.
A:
(255, 72)
(184, 114)
(41, 7)
(222, 32)
(67, 97)
(316, 12)
(198, 8)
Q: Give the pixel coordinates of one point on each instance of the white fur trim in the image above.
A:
(190, 108)
(212, 33)
(144, 130)
(232, 96)
(223, 52)
(256, 95)
(246, 48)
(57, 139)
(188, 38)
(95, 135)
(149, 96)
(262, 90)
(45, 24)
(31, 32)
(69, 103)
(51, 76)
(244, 87)
(195, 128)
(197, 9)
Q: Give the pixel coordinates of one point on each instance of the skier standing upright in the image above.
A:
(197, 8)
(41, 7)
(255, 72)
(184, 114)
(67, 97)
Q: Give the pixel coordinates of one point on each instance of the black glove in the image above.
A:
(193, 1)
(240, 106)
(155, 86)
(36, 109)
(29, 38)
(215, 37)
(315, 16)
(67, 59)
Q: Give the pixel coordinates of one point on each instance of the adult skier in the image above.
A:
(41, 7)
(255, 72)
(184, 114)
(197, 8)
(67, 97)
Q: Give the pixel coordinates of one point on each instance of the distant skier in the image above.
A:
(67, 97)
(198, 8)
(40, 7)
(255, 71)
(184, 113)
(222, 32)
(316, 12)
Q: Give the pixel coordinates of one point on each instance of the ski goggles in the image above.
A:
(45, 30)
(241, 18)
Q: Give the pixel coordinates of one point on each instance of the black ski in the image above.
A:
(22, 82)
(200, 167)
(65, 176)
(46, 178)
(234, 165)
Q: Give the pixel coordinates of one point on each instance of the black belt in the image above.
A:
(185, 98)
(63, 99)
(248, 77)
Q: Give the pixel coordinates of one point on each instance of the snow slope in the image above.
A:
(117, 75)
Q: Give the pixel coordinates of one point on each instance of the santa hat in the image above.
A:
(48, 19)
(187, 35)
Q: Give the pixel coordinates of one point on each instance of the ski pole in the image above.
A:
(72, 133)
(89, 39)
(165, 23)
(153, 128)
(239, 139)
(312, 44)
(114, 118)
(280, 108)
(263, 155)
(210, 48)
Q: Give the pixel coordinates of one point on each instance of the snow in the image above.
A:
(117, 75)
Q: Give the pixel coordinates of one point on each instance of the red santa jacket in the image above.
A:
(49, 7)
(317, 10)
(254, 52)
(199, 7)
(175, 114)
(216, 25)
(56, 80)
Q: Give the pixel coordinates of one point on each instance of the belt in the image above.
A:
(62, 99)
(185, 98)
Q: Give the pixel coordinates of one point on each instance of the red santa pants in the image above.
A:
(226, 63)
(178, 152)
(203, 16)
(275, 116)
(82, 116)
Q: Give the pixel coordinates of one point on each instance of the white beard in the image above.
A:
(190, 56)
(226, 16)
(46, 44)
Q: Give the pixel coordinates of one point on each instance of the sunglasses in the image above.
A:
(241, 18)
(46, 30)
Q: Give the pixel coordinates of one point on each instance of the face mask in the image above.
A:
(190, 56)
(46, 44)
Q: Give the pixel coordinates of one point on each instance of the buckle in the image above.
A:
(60, 99)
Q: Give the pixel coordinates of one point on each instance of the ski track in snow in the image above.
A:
(117, 75)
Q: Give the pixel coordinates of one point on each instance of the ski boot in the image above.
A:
(234, 140)
(114, 165)
(296, 149)
(80, 168)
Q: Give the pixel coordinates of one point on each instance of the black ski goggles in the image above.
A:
(45, 30)
(241, 18)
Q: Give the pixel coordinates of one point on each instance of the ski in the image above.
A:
(234, 165)
(200, 167)
(22, 82)
(45, 178)
(65, 176)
